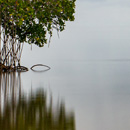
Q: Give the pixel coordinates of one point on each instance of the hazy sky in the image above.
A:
(101, 31)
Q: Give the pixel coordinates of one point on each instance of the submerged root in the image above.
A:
(4, 68)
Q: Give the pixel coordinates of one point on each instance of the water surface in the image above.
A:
(90, 65)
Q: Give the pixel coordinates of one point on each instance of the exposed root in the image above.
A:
(20, 68)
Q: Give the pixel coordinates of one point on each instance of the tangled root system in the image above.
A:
(4, 68)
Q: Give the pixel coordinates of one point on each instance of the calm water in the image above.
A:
(88, 86)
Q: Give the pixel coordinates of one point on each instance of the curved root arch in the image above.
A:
(47, 68)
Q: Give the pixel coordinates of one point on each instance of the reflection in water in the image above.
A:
(34, 112)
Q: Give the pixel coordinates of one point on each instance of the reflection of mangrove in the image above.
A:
(32, 112)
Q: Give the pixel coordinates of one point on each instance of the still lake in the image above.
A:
(88, 86)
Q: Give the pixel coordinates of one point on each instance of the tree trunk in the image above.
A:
(0, 34)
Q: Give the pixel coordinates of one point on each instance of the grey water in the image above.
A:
(89, 78)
